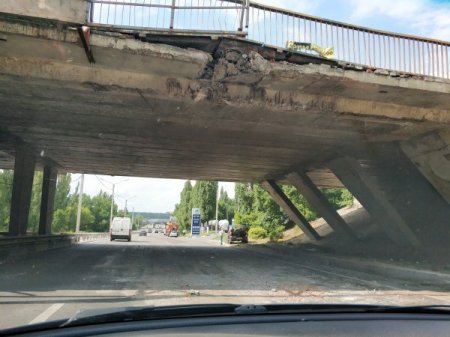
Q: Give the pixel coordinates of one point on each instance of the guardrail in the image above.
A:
(281, 28)
(13, 248)
(200, 15)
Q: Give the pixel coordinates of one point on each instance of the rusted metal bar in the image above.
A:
(241, 22)
(85, 33)
(172, 14)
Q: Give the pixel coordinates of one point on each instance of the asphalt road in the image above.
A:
(157, 270)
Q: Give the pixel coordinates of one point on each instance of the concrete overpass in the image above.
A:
(81, 96)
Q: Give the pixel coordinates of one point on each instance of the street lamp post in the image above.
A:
(112, 205)
(217, 207)
(126, 202)
(112, 200)
(80, 201)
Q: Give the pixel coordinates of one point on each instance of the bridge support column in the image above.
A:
(47, 200)
(318, 201)
(352, 175)
(21, 192)
(283, 201)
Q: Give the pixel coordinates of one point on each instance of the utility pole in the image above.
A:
(112, 200)
(126, 202)
(80, 200)
(217, 207)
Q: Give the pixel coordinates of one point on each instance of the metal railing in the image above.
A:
(199, 15)
(349, 43)
(281, 28)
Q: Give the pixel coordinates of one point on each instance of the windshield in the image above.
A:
(189, 152)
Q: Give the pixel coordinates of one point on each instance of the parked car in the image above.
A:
(237, 234)
(173, 234)
(149, 230)
(143, 232)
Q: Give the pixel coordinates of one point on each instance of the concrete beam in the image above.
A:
(73, 11)
(318, 201)
(47, 200)
(283, 201)
(21, 193)
(431, 155)
(352, 175)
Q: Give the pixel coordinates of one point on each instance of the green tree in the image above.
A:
(64, 220)
(300, 202)
(226, 206)
(6, 182)
(270, 215)
(61, 221)
(243, 196)
(62, 193)
(138, 221)
(35, 204)
(100, 207)
(338, 197)
(204, 195)
(184, 208)
(257, 209)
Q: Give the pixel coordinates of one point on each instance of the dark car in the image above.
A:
(143, 232)
(237, 234)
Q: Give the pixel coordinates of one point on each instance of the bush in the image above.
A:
(257, 232)
(276, 234)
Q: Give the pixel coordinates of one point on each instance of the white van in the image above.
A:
(121, 228)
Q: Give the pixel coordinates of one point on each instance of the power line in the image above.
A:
(101, 182)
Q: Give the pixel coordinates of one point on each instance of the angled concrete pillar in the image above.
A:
(47, 200)
(352, 175)
(318, 201)
(283, 201)
(21, 191)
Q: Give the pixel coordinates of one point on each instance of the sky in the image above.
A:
(417, 17)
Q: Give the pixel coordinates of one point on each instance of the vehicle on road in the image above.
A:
(224, 225)
(237, 234)
(121, 228)
(172, 229)
(143, 232)
(149, 230)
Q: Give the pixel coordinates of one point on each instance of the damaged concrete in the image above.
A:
(147, 109)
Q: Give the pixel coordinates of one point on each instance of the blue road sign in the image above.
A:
(196, 221)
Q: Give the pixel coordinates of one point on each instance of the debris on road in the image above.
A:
(193, 293)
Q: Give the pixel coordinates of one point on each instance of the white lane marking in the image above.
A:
(43, 316)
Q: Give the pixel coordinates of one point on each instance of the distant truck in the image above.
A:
(121, 228)
(224, 225)
(159, 228)
(172, 229)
